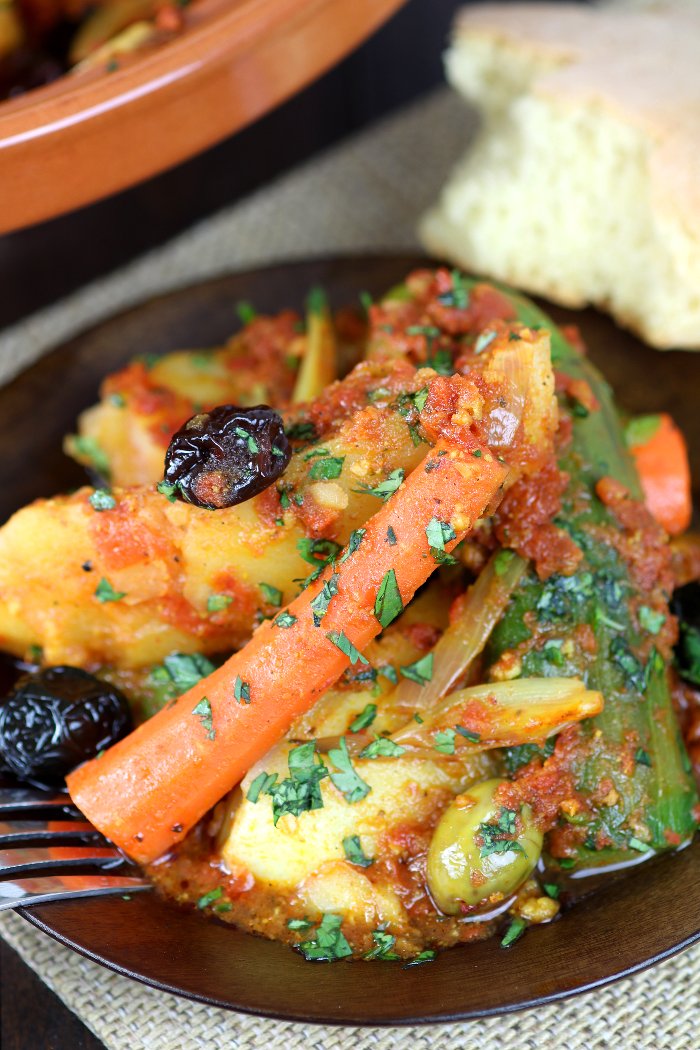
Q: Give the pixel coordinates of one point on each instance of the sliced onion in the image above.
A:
(504, 714)
(466, 637)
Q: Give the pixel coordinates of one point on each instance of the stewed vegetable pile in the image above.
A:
(399, 644)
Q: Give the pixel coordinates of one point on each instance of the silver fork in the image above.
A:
(45, 841)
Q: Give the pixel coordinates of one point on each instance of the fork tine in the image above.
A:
(22, 800)
(25, 860)
(25, 892)
(56, 832)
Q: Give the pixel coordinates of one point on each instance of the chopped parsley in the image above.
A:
(299, 924)
(316, 301)
(419, 398)
(383, 944)
(364, 719)
(551, 889)
(391, 537)
(642, 429)
(347, 780)
(218, 602)
(651, 620)
(301, 432)
(102, 499)
(284, 619)
(445, 741)
(354, 852)
(167, 490)
(388, 672)
(635, 843)
(272, 595)
(208, 898)
(318, 553)
(458, 295)
(688, 653)
(342, 642)
(181, 671)
(498, 836)
(250, 441)
(428, 955)
(503, 561)
(366, 301)
(472, 737)
(484, 340)
(388, 604)
(642, 757)
(329, 943)
(438, 534)
(327, 469)
(300, 791)
(382, 747)
(628, 664)
(320, 603)
(356, 538)
(89, 450)
(515, 930)
(203, 711)
(105, 592)
(117, 399)
(246, 312)
(241, 690)
(421, 671)
(385, 488)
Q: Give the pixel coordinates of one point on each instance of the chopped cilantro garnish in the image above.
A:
(515, 930)
(382, 747)
(330, 942)
(301, 432)
(472, 737)
(428, 955)
(628, 663)
(208, 898)
(102, 499)
(438, 534)
(421, 671)
(322, 600)
(484, 340)
(182, 671)
(299, 924)
(318, 553)
(383, 943)
(217, 602)
(445, 741)
(262, 785)
(551, 889)
(385, 488)
(204, 713)
(502, 562)
(105, 592)
(342, 642)
(301, 790)
(651, 620)
(272, 595)
(498, 836)
(458, 294)
(688, 653)
(347, 780)
(327, 469)
(391, 537)
(419, 398)
(316, 301)
(167, 490)
(366, 301)
(356, 538)
(117, 399)
(388, 604)
(642, 757)
(284, 619)
(246, 312)
(250, 441)
(241, 690)
(389, 672)
(88, 449)
(364, 719)
(355, 853)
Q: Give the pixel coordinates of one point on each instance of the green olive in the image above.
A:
(481, 849)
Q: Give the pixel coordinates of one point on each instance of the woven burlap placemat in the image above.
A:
(362, 196)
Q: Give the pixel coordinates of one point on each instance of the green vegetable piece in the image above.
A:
(421, 671)
(208, 898)
(651, 620)
(445, 741)
(102, 499)
(481, 849)
(246, 312)
(327, 469)
(342, 642)
(515, 930)
(241, 690)
(382, 747)
(300, 791)
(105, 592)
(383, 943)
(322, 600)
(641, 429)
(204, 713)
(426, 956)
(329, 943)
(167, 490)
(218, 602)
(272, 595)
(364, 719)
(388, 604)
(347, 780)
(354, 852)
(285, 619)
(91, 451)
(385, 488)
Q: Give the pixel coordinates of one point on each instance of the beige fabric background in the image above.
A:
(364, 195)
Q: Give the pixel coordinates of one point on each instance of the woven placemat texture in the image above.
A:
(364, 195)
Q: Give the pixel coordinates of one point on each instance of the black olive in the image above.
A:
(57, 718)
(226, 456)
(685, 604)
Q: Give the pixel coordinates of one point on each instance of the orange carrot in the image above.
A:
(147, 791)
(661, 457)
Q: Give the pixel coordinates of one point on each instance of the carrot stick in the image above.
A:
(661, 458)
(147, 791)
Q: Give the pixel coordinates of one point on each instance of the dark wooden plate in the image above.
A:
(635, 921)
